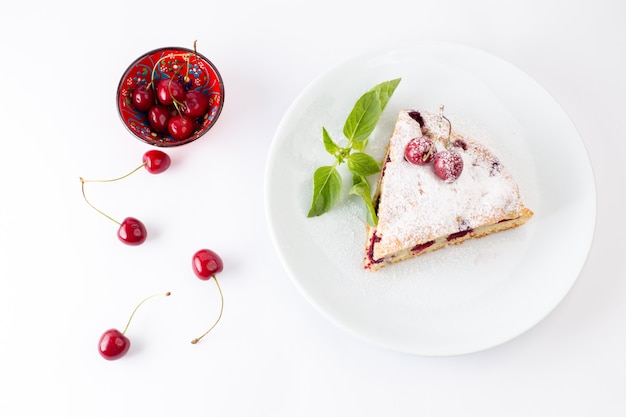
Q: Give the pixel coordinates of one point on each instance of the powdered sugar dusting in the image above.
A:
(416, 206)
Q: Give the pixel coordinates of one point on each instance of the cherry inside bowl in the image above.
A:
(172, 67)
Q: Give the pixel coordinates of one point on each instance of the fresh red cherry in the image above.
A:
(158, 117)
(132, 232)
(419, 151)
(206, 263)
(195, 104)
(180, 126)
(169, 90)
(143, 98)
(156, 161)
(113, 344)
(448, 165)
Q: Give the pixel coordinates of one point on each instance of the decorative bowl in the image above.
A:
(193, 70)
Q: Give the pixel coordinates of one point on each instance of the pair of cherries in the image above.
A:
(132, 231)
(447, 164)
(206, 264)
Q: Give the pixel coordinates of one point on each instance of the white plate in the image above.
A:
(462, 299)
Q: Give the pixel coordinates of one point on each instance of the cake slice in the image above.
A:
(454, 190)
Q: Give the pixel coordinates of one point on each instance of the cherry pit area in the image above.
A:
(188, 68)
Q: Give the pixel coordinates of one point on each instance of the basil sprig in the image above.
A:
(361, 122)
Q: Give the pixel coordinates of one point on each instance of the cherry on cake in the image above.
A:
(438, 188)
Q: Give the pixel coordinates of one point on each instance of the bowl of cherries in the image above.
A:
(170, 96)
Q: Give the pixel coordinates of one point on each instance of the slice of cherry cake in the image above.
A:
(438, 188)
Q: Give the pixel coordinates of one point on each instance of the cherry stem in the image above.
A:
(447, 145)
(197, 339)
(167, 294)
(430, 151)
(177, 105)
(118, 178)
(83, 181)
(195, 51)
(187, 59)
(94, 207)
(185, 56)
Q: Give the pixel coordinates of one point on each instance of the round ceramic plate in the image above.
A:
(193, 70)
(461, 299)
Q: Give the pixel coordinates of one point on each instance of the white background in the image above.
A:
(65, 278)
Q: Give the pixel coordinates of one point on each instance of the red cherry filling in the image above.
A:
(457, 235)
(460, 143)
(422, 246)
(113, 344)
(448, 165)
(132, 232)
(415, 115)
(419, 151)
(370, 253)
(156, 161)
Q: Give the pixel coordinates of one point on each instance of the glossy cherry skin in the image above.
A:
(206, 263)
(158, 116)
(156, 161)
(195, 104)
(448, 165)
(169, 90)
(180, 126)
(132, 232)
(113, 345)
(143, 98)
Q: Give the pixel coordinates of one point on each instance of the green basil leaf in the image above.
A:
(359, 125)
(331, 147)
(362, 188)
(326, 190)
(363, 118)
(385, 91)
(360, 146)
(360, 163)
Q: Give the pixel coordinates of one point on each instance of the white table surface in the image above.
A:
(65, 278)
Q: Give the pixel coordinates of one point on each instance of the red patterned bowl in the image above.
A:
(191, 69)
